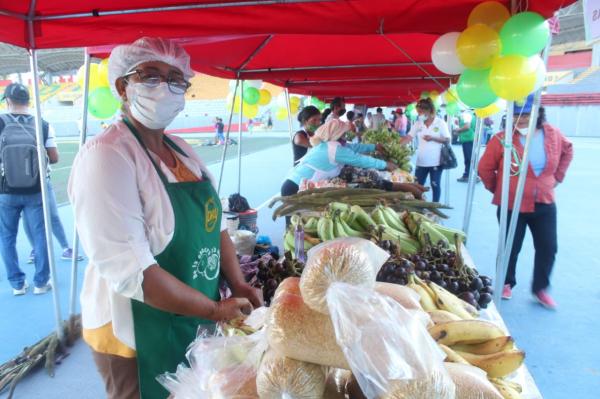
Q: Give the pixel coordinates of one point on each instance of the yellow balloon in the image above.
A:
(265, 97)
(102, 73)
(294, 102)
(477, 46)
(434, 95)
(281, 114)
(94, 81)
(490, 13)
(294, 108)
(513, 77)
(450, 95)
(250, 110)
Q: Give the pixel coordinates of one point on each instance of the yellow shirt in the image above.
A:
(103, 339)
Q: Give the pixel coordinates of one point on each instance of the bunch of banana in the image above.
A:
(430, 233)
(289, 244)
(435, 299)
(508, 389)
(391, 227)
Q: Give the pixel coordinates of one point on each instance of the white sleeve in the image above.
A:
(413, 130)
(51, 140)
(109, 216)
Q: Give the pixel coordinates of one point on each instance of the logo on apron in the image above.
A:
(207, 264)
(211, 215)
(436, 129)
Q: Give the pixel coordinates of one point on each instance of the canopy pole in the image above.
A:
(524, 167)
(41, 152)
(226, 145)
(289, 110)
(239, 185)
(472, 175)
(82, 138)
(447, 188)
(508, 147)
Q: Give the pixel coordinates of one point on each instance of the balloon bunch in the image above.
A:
(254, 97)
(497, 56)
(101, 102)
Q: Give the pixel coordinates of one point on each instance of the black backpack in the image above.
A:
(19, 168)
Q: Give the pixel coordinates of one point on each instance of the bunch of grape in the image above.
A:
(441, 266)
(269, 274)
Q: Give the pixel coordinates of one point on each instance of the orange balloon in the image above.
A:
(490, 13)
(477, 46)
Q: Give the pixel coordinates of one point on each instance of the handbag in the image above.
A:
(447, 157)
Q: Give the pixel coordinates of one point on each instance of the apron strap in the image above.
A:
(167, 140)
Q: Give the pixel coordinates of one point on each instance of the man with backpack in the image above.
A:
(20, 190)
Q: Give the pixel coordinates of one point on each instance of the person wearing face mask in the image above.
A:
(310, 120)
(149, 218)
(432, 133)
(550, 154)
(337, 109)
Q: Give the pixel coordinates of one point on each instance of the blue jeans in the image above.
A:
(57, 227)
(11, 206)
(435, 177)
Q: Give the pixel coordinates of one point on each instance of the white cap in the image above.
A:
(125, 58)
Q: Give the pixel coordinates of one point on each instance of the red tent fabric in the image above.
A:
(68, 23)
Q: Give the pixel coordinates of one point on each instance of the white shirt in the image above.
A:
(124, 218)
(378, 121)
(428, 153)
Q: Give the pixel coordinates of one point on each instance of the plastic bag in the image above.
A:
(244, 242)
(388, 348)
(298, 332)
(471, 382)
(183, 384)
(281, 377)
(354, 261)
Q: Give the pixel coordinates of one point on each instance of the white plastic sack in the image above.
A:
(352, 260)
(388, 348)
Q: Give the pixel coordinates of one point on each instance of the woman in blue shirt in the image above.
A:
(328, 156)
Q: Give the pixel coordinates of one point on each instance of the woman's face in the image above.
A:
(423, 111)
(313, 123)
(521, 121)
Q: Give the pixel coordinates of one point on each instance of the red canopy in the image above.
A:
(68, 23)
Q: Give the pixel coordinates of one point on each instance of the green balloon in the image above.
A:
(452, 108)
(411, 107)
(251, 95)
(424, 94)
(474, 89)
(412, 114)
(524, 34)
(102, 104)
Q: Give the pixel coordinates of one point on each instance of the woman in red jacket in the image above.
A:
(549, 157)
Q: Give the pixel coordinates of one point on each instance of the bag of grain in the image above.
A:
(352, 260)
(298, 332)
(388, 348)
(281, 377)
(471, 382)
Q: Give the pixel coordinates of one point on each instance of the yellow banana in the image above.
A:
(511, 384)
(442, 316)
(465, 332)
(448, 301)
(425, 300)
(288, 241)
(497, 364)
(452, 356)
(487, 348)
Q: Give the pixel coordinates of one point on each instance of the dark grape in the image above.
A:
(476, 284)
(405, 263)
(476, 295)
(272, 283)
(442, 284)
(467, 296)
(399, 272)
(420, 265)
(485, 299)
(487, 290)
(453, 287)
(388, 267)
(463, 286)
(415, 258)
(435, 276)
(486, 281)
(279, 268)
(442, 268)
(402, 281)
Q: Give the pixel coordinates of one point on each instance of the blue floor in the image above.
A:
(562, 347)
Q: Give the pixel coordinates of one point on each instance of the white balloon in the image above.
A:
(444, 54)
(253, 83)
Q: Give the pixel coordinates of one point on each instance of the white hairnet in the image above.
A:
(125, 58)
(331, 130)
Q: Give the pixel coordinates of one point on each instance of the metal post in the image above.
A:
(240, 140)
(226, 145)
(289, 109)
(508, 133)
(447, 188)
(41, 152)
(472, 175)
(523, 168)
(82, 138)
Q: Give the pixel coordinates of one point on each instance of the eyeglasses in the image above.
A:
(176, 84)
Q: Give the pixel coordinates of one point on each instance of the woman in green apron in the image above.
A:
(150, 220)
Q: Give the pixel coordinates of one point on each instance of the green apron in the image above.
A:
(192, 256)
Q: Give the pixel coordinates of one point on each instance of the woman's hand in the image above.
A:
(391, 166)
(380, 148)
(231, 308)
(254, 295)
(428, 137)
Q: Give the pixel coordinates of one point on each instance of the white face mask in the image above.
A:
(523, 130)
(422, 118)
(154, 107)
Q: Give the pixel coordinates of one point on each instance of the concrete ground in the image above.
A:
(562, 350)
